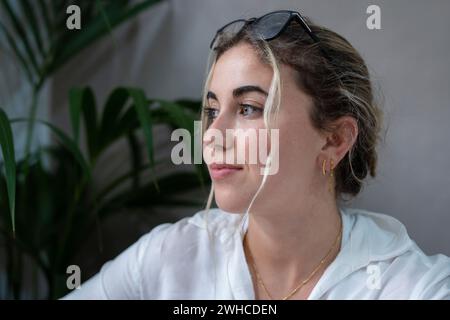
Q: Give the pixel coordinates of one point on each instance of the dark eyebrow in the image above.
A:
(211, 95)
(239, 92)
(242, 90)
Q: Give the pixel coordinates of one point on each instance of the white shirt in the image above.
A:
(183, 260)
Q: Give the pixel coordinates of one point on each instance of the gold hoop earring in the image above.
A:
(323, 167)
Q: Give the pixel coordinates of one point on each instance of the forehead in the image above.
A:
(239, 66)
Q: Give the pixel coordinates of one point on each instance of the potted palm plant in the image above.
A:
(48, 211)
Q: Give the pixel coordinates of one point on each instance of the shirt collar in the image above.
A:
(366, 237)
(237, 268)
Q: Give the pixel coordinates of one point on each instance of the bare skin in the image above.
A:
(295, 219)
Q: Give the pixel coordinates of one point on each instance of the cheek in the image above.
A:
(298, 150)
(236, 196)
(252, 144)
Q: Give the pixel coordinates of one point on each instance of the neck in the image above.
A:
(291, 242)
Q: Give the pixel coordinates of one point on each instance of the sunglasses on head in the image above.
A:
(267, 27)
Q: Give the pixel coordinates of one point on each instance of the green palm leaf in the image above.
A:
(7, 148)
(67, 142)
(111, 15)
(82, 102)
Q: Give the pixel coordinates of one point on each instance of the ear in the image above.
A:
(340, 139)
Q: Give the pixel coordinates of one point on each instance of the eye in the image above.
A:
(249, 110)
(211, 113)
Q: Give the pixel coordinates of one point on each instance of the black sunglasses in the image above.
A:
(268, 26)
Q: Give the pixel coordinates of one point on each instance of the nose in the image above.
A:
(216, 132)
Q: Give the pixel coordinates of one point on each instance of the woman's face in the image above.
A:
(236, 97)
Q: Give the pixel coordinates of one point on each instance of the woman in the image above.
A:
(281, 234)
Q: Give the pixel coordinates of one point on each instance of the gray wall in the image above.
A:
(165, 52)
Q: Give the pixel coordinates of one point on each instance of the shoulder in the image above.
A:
(179, 259)
(156, 265)
(381, 242)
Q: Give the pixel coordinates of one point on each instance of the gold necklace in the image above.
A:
(304, 281)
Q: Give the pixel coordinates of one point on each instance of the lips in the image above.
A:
(221, 171)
